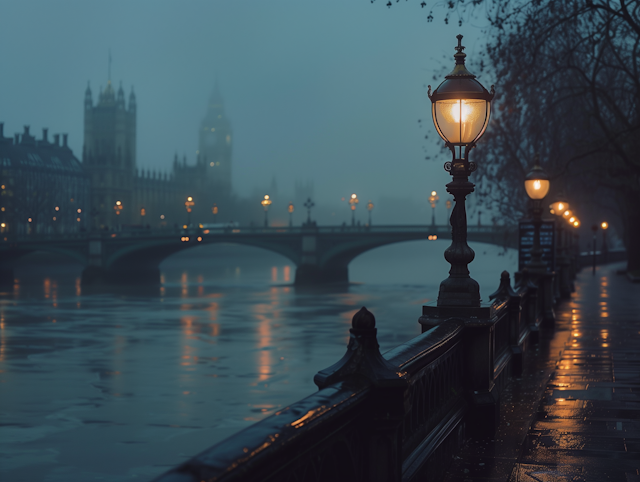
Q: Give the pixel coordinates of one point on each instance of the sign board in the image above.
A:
(547, 243)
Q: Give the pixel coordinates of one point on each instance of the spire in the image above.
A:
(132, 100)
(120, 100)
(88, 97)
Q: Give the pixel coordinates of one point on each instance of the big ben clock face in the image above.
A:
(211, 140)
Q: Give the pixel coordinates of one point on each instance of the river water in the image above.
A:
(121, 385)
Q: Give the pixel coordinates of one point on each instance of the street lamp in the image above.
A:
(353, 200)
(266, 202)
(537, 186)
(369, 208)
(433, 199)
(461, 108)
(594, 228)
(189, 203)
(558, 207)
(290, 208)
(309, 204)
(143, 213)
(214, 210)
(605, 248)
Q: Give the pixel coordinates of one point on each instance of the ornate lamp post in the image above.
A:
(594, 228)
(353, 201)
(605, 248)
(188, 204)
(214, 211)
(290, 208)
(537, 186)
(461, 108)
(558, 208)
(369, 208)
(433, 199)
(266, 202)
(117, 207)
(309, 204)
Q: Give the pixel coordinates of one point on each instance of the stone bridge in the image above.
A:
(321, 254)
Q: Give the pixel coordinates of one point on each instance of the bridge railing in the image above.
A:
(397, 416)
(194, 231)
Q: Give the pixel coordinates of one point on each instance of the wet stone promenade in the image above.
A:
(575, 413)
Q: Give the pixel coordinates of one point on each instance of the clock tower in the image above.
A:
(215, 147)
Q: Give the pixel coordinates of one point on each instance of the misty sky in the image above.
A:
(329, 91)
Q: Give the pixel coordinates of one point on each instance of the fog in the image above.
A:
(329, 92)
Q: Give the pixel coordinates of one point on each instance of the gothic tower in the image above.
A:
(109, 154)
(215, 146)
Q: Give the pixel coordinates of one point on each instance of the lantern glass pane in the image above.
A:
(461, 121)
(536, 188)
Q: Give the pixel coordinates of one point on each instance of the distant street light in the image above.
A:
(290, 208)
(189, 203)
(353, 201)
(214, 210)
(309, 204)
(537, 186)
(605, 247)
(558, 208)
(460, 106)
(433, 199)
(369, 208)
(266, 202)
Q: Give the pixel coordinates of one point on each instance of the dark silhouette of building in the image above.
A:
(152, 198)
(43, 187)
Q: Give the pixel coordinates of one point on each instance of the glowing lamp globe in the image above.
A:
(460, 105)
(537, 182)
(559, 207)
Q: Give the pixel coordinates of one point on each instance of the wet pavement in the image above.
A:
(575, 413)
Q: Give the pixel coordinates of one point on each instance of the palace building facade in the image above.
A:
(122, 194)
(44, 188)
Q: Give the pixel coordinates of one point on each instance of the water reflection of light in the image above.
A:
(213, 311)
(54, 293)
(47, 288)
(215, 329)
(274, 273)
(185, 285)
(78, 286)
(265, 360)
(161, 278)
(200, 291)
(189, 329)
(287, 273)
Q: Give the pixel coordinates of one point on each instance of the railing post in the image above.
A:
(513, 300)
(363, 363)
(479, 343)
